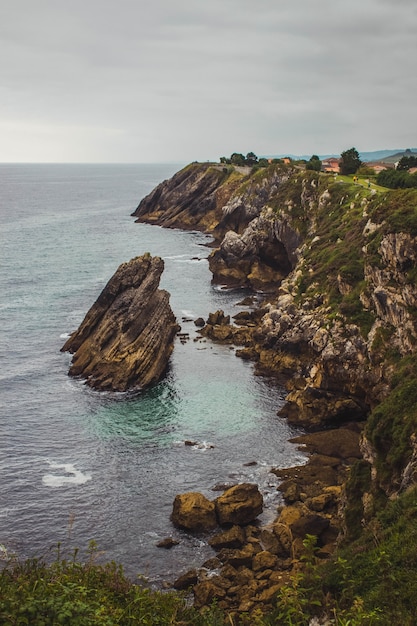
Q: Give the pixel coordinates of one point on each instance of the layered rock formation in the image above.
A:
(126, 338)
(339, 263)
(340, 270)
(191, 199)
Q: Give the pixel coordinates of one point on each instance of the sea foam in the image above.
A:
(70, 475)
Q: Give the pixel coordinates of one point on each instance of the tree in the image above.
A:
(406, 162)
(263, 162)
(251, 158)
(350, 161)
(237, 159)
(314, 163)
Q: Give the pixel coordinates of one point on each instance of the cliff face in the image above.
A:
(126, 337)
(189, 200)
(340, 261)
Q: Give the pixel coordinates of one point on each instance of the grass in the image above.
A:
(75, 593)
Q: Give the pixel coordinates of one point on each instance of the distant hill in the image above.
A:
(387, 156)
(393, 158)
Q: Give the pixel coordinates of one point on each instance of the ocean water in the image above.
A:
(78, 465)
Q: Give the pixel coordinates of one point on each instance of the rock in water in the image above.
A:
(126, 338)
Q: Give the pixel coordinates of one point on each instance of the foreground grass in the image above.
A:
(74, 593)
(371, 581)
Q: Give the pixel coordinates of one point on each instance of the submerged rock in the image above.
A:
(126, 338)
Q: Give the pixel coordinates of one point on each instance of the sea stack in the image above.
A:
(127, 336)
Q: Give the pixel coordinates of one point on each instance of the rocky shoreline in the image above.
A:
(337, 268)
(251, 562)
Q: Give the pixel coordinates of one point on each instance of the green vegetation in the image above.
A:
(314, 163)
(392, 423)
(366, 583)
(73, 593)
(396, 211)
(397, 179)
(350, 161)
(239, 159)
(406, 162)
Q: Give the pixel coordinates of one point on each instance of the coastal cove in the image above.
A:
(80, 465)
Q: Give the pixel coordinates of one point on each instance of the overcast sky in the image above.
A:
(184, 80)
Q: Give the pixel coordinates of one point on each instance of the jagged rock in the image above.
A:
(205, 592)
(233, 537)
(187, 580)
(342, 443)
(237, 558)
(260, 257)
(240, 504)
(218, 318)
(167, 543)
(193, 511)
(270, 542)
(283, 534)
(264, 560)
(268, 595)
(309, 525)
(126, 338)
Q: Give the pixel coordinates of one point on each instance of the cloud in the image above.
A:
(188, 80)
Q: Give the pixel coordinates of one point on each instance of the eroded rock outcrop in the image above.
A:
(126, 338)
(260, 257)
(192, 198)
(341, 325)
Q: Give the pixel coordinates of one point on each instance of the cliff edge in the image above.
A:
(334, 264)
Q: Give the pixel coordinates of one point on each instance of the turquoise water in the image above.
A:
(77, 464)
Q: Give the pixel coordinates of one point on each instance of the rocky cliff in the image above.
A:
(339, 263)
(334, 265)
(126, 338)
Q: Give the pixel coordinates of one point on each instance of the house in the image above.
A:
(378, 167)
(331, 165)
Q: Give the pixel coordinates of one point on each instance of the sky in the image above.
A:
(129, 81)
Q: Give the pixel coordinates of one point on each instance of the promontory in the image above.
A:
(332, 262)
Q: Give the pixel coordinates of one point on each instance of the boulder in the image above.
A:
(264, 560)
(218, 318)
(240, 504)
(167, 543)
(342, 443)
(310, 525)
(193, 511)
(127, 336)
(189, 579)
(205, 592)
(233, 537)
(237, 558)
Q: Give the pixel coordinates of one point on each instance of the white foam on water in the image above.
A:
(65, 336)
(70, 475)
(203, 445)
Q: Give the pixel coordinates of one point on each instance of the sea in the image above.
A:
(80, 466)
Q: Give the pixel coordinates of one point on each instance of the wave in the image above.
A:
(71, 475)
